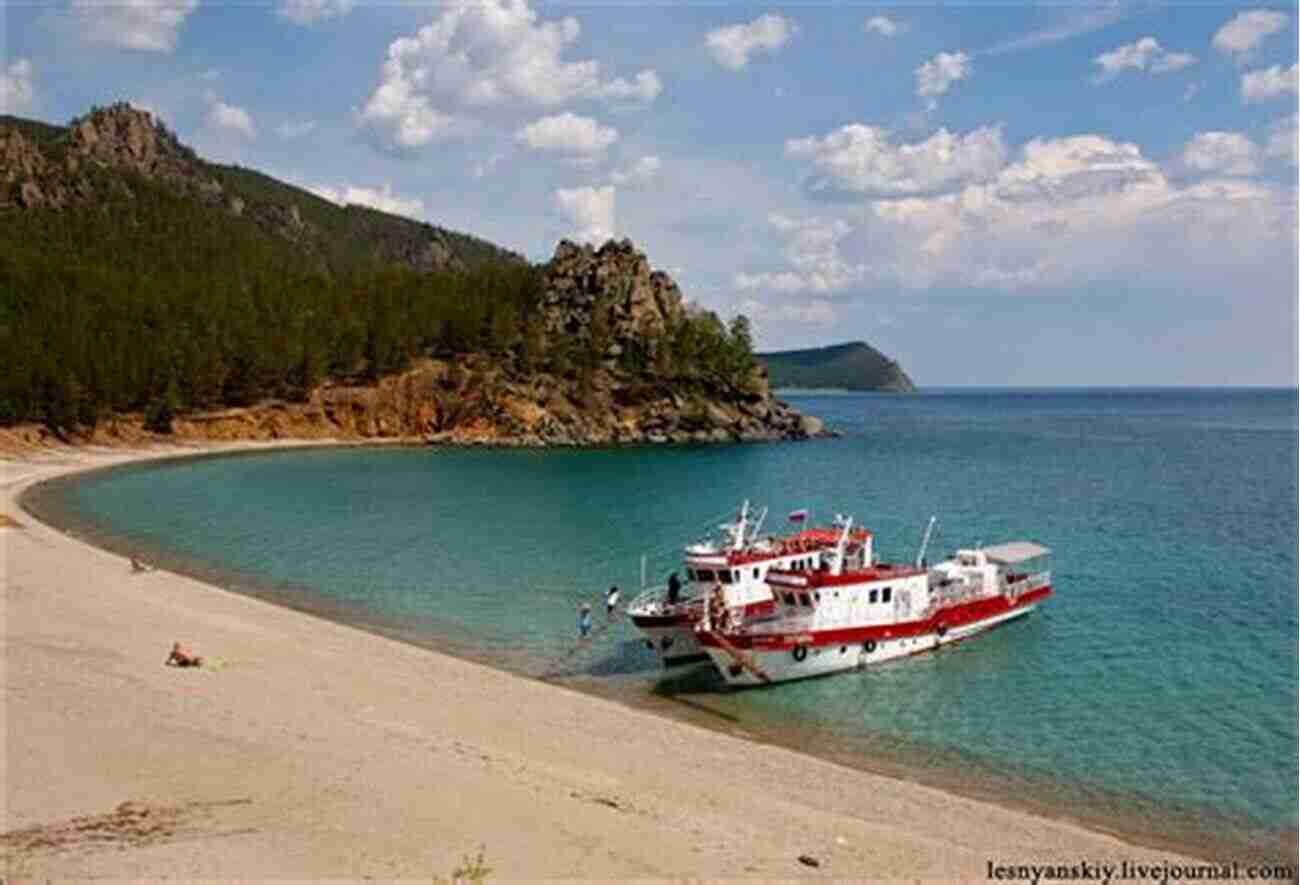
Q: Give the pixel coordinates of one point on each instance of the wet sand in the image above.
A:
(309, 748)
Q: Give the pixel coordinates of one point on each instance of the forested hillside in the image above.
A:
(127, 287)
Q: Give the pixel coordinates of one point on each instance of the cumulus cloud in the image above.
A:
(1284, 140)
(936, 76)
(480, 56)
(1223, 153)
(732, 46)
(568, 133)
(884, 26)
(382, 199)
(308, 12)
(859, 160)
(590, 210)
(643, 171)
(813, 250)
(232, 119)
(291, 129)
(1064, 213)
(1269, 83)
(1246, 30)
(144, 25)
(1144, 55)
(16, 93)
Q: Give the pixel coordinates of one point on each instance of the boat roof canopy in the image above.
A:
(1015, 551)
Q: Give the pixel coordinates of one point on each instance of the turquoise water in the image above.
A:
(1157, 692)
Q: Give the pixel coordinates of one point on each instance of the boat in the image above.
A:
(851, 611)
(733, 566)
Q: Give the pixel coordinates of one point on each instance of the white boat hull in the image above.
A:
(822, 660)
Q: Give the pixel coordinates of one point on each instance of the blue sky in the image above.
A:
(991, 193)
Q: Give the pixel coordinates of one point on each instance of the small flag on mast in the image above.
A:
(799, 516)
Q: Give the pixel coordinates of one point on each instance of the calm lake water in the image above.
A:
(1156, 692)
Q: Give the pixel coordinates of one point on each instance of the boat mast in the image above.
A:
(925, 541)
(838, 567)
(738, 535)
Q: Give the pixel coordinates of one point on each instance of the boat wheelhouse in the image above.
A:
(851, 610)
(733, 566)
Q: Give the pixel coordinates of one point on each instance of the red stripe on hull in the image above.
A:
(949, 618)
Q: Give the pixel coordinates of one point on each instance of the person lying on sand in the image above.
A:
(138, 567)
(181, 657)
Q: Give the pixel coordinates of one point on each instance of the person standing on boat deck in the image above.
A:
(611, 601)
(584, 620)
(674, 588)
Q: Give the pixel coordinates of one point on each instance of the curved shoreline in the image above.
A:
(808, 780)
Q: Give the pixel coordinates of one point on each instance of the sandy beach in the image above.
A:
(312, 749)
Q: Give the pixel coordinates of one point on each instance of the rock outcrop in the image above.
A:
(614, 285)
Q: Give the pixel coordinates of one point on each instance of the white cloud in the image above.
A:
(590, 210)
(231, 118)
(479, 56)
(1143, 55)
(382, 199)
(643, 171)
(307, 12)
(1067, 212)
(816, 312)
(1074, 25)
(1224, 153)
(884, 26)
(732, 45)
(867, 160)
(1246, 30)
(145, 25)
(16, 93)
(1284, 140)
(813, 250)
(568, 134)
(1269, 83)
(937, 75)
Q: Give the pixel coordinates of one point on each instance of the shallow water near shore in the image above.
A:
(1155, 694)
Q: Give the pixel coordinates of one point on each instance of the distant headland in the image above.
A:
(852, 366)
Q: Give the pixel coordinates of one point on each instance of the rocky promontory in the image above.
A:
(610, 292)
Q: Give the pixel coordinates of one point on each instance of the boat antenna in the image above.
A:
(925, 541)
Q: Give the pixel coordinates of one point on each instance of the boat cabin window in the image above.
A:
(885, 594)
(803, 597)
(724, 577)
(704, 574)
(755, 573)
(788, 598)
(873, 596)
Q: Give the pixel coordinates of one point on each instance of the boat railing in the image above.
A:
(654, 601)
(1015, 585)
